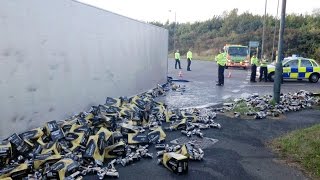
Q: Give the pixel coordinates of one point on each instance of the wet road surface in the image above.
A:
(202, 87)
(240, 152)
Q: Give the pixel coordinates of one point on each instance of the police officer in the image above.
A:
(221, 61)
(189, 58)
(177, 58)
(254, 63)
(263, 69)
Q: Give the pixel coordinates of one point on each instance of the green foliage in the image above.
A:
(302, 33)
(303, 147)
(242, 107)
(272, 102)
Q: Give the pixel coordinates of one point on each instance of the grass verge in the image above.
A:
(195, 57)
(301, 147)
(243, 108)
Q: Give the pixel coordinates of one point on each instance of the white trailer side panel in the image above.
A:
(59, 57)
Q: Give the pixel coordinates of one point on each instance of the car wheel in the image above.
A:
(314, 78)
(271, 76)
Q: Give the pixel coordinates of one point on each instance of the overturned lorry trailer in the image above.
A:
(59, 57)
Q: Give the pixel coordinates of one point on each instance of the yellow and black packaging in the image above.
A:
(88, 117)
(5, 152)
(82, 121)
(77, 140)
(115, 150)
(182, 125)
(104, 131)
(111, 110)
(138, 101)
(98, 121)
(186, 150)
(61, 169)
(76, 128)
(176, 163)
(22, 146)
(15, 172)
(126, 112)
(127, 128)
(32, 134)
(37, 148)
(95, 149)
(42, 159)
(113, 102)
(138, 138)
(189, 117)
(51, 147)
(157, 135)
(116, 137)
(53, 130)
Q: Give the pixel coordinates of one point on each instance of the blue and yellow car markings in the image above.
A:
(298, 72)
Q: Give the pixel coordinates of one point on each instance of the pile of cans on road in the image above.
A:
(263, 106)
(118, 132)
(193, 121)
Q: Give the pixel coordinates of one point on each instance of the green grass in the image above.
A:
(272, 102)
(242, 107)
(302, 147)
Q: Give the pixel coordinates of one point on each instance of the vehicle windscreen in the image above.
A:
(285, 61)
(238, 51)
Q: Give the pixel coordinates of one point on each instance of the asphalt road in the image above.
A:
(240, 152)
(202, 89)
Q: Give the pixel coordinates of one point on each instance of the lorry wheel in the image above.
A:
(271, 76)
(314, 78)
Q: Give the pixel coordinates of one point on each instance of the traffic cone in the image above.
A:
(229, 74)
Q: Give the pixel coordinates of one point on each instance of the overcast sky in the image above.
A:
(196, 10)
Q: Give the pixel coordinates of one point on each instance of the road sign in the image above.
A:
(253, 43)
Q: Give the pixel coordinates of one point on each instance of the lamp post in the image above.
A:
(275, 30)
(174, 30)
(264, 28)
(278, 71)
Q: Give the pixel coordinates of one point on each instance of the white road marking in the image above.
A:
(235, 91)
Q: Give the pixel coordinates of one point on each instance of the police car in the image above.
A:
(297, 68)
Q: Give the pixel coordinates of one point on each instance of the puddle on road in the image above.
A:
(226, 97)
(245, 95)
(202, 106)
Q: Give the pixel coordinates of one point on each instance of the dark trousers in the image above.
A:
(253, 73)
(189, 64)
(221, 74)
(177, 62)
(264, 73)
